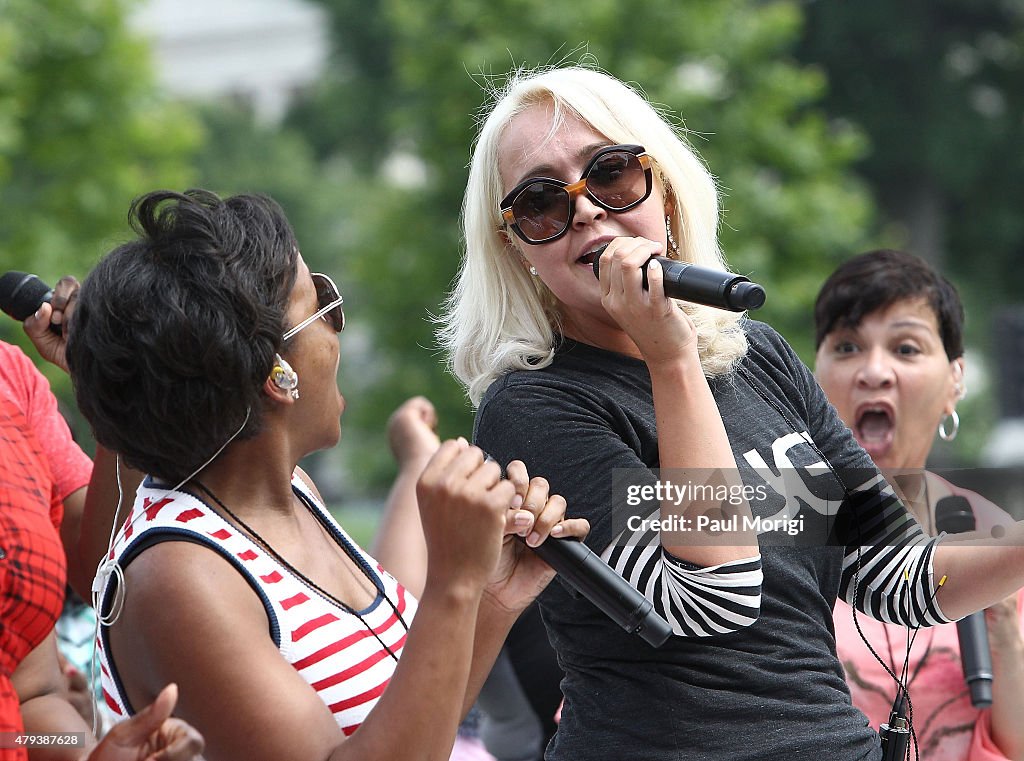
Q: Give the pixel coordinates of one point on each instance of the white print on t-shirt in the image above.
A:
(784, 478)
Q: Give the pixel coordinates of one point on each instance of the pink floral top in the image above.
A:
(948, 727)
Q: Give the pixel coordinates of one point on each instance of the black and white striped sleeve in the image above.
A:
(888, 569)
(696, 601)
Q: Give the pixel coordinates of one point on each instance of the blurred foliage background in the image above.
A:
(831, 127)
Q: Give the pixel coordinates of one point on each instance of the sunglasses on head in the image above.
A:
(540, 209)
(329, 301)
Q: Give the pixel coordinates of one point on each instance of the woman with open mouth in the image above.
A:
(889, 333)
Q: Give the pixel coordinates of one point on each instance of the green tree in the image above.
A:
(399, 102)
(83, 130)
(938, 88)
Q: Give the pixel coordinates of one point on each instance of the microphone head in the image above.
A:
(746, 295)
(21, 294)
(954, 515)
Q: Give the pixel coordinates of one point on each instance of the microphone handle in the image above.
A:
(701, 285)
(954, 515)
(598, 582)
(977, 658)
(57, 330)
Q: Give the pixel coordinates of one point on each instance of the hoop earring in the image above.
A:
(673, 246)
(951, 434)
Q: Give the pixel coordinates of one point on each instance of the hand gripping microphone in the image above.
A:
(954, 516)
(701, 285)
(22, 294)
(598, 582)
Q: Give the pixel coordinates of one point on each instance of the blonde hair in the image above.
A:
(498, 318)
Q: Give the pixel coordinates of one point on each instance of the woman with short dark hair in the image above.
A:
(206, 354)
(889, 333)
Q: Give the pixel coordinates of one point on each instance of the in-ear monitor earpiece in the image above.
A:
(284, 377)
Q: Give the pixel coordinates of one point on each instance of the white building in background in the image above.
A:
(262, 51)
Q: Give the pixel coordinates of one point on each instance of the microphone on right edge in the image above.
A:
(702, 285)
(955, 516)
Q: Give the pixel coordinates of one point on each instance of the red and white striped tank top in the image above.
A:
(331, 648)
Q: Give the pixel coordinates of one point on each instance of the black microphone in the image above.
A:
(701, 285)
(593, 578)
(598, 582)
(955, 516)
(21, 294)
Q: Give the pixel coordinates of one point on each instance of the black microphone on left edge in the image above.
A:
(597, 581)
(955, 516)
(702, 285)
(21, 294)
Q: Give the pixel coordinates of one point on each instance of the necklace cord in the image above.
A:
(359, 561)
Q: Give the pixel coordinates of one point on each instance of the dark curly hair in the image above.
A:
(175, 332)
(877, 279)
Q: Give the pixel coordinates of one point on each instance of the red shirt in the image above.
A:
(32, 569)
(34, 481)
(22, 383)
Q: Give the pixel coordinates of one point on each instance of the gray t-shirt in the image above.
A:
(749, 676)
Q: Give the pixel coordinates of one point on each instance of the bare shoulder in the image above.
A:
(186, 573)
(175, 591)
(191, 617)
